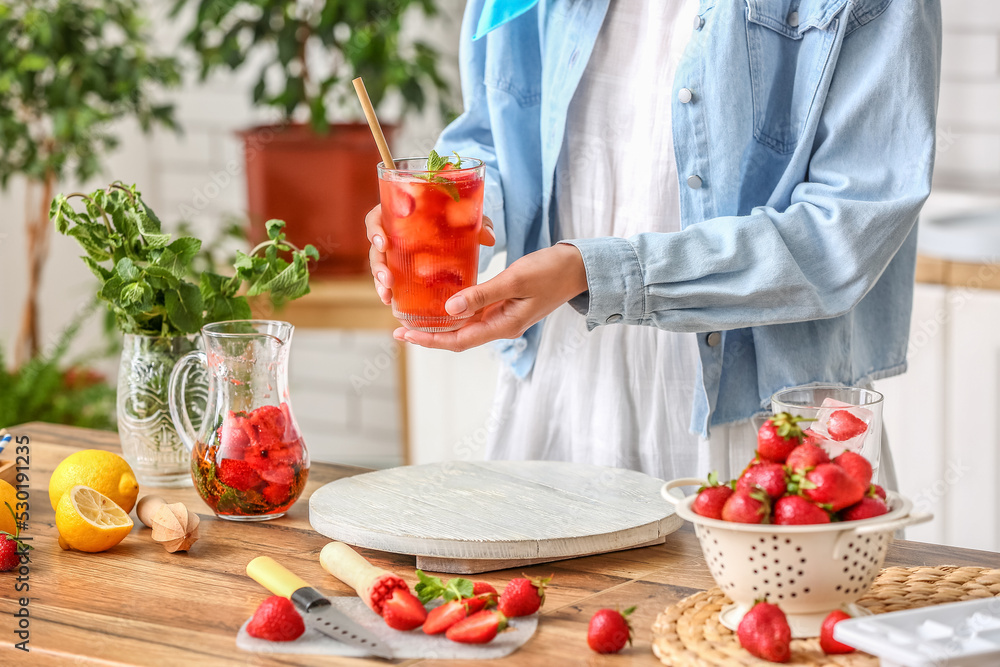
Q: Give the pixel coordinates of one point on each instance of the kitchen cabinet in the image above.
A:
(942, 415)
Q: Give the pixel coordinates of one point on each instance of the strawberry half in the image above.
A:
(480, 628)
(402, 611)
(276, 620)
(842, 426)
(441, 618)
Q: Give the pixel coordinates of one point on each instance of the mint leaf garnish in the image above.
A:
(436, 163)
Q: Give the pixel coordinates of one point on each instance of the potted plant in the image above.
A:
(145, 280)
(318, 176)
(68, 71)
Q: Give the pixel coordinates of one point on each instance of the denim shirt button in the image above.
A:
(713, 339)
(793, 19)
(614, 319)
(685, 95)
(699, 22)
(694, 181)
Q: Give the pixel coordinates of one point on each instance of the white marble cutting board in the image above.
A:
(479, 516)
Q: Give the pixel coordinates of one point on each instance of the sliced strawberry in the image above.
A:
(237, 474)
(842, 426)
(480, 628)
(402, 611)
(276, 620)
(277, 494)
(233, 439)
(441, 618)
(280, 474)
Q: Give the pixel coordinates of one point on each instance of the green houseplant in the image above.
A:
(320, 177)
(68, 71)
(146, 281)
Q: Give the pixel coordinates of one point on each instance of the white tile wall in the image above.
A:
(969, 113)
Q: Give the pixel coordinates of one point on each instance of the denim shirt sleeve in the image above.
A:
(470, 134)
(817, 257)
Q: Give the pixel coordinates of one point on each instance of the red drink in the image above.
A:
(255, 466)
(433, 220)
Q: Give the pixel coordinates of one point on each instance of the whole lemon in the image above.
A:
(90, 521)
(105, 472)
(8, 494)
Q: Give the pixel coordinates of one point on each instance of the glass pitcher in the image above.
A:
(248, 459)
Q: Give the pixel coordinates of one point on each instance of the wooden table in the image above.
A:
(138, 604)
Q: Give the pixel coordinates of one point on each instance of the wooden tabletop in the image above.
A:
(139, 605)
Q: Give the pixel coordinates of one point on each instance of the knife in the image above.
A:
(317, 611)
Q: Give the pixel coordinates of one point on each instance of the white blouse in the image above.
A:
(619, 395)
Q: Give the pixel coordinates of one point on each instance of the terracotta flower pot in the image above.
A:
(322, 186)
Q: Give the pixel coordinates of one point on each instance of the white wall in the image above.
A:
(969, 111)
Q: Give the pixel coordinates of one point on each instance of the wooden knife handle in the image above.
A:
(274, 577)
(349, 566)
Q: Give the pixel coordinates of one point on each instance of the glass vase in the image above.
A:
(149, 440)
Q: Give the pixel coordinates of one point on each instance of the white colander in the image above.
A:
(808, 571)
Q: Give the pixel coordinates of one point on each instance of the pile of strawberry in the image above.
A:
(793, 481)
(259, 455)
(466, 615)
(764, 633)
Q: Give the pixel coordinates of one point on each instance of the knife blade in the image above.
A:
(317, 611)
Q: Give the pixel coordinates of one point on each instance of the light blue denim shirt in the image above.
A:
(805, 153)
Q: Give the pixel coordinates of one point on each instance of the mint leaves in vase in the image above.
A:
(146, 280)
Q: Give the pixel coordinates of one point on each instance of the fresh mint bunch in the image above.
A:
(144, 272)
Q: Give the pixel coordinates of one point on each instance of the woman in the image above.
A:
(740, 179)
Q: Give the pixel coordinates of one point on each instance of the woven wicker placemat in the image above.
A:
(689, 634)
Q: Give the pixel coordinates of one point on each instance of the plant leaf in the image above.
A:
(184, 307)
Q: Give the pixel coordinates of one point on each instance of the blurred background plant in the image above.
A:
(69, 70)
(309, 52)
(49, 389)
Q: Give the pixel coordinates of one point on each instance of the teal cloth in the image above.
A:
(497, 12)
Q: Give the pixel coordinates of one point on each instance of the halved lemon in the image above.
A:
(90, 521)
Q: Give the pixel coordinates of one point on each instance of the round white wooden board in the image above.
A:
(485, 512)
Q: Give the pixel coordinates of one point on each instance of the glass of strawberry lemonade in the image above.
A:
(432, 212)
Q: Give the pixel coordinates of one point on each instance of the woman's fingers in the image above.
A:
(487, 235)
(477, 297)
(373, 228)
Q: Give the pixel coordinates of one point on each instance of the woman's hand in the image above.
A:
(379, 240)
(522, 294)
